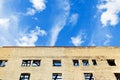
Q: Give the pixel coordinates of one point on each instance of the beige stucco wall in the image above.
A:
(102, 71)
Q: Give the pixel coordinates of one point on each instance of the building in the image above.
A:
(60, 63)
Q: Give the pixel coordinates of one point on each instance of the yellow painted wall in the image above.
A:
(102, 71)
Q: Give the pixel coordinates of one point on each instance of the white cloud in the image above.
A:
(8, 30)
(29, 39)
(11, 31)
(4, 22)
(37, 6)
(31, 11)
(111, 9)
(74, 18)
(79, 39)
(60, 20)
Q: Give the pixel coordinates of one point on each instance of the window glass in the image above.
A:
(85, 62)
(57, 76)
(3, 63)
(117, 76)
(75, 62)
(26, 63)
(36, 63)
(25, 76)
(56, 62)
(88, 76)
(94, 62)
(111, 62)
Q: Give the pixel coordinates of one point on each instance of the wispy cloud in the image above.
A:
(108, 39)
(74, 18)
(29, 39)
(8, 30)
(11, 33)
(79, 39)
(110, 10)
(60, 20)
(109, 16)
(101, 37)
(8, 24)
(4, 22)
(37, 6)
(31, 11)
(1, 4)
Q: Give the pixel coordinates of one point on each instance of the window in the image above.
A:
(3, 63)
(111, 62)
(117, 75)
(57, 76)
(88, 76)
(36, 63)
(94, 62)
(26, 63)
(75, 62)
(25, 76)
(85, 62)
(56, 62)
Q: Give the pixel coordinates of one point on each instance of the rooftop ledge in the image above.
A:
(59, 46)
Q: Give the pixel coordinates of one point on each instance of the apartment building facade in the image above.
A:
(59, 63)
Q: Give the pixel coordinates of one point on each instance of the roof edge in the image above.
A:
(60, 46)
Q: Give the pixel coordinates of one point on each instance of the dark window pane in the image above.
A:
(85, 62)
(26, 63)
(36, 63)
(88, 76)
(3, 63)
(25, 76)
(57, 76)
(111, 62)
(94, 62)
(75, 62)
(56, 62)
(117, 75)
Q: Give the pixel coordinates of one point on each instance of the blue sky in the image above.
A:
(59, 23)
